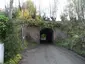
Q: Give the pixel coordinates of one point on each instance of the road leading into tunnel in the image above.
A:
(50, 54)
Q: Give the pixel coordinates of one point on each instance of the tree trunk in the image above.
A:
(10, 9)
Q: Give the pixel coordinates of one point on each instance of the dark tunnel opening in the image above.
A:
(46, 36)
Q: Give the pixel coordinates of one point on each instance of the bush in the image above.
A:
(10, 36)
(13, 43)
(76, 39)
(14, 60)
(3, 26)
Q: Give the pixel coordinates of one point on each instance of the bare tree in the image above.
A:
(80, 8)
(20, 8)
(39, 9)
(10, 9)
(50, 8)
(54, 10)
(76, 9)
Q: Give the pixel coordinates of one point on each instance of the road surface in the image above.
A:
(50, 54)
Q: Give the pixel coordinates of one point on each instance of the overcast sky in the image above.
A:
(44, 5)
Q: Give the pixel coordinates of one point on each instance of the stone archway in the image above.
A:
(46, 36)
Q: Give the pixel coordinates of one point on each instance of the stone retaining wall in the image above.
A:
(33, 34)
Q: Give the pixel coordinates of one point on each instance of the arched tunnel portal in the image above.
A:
(46, 36)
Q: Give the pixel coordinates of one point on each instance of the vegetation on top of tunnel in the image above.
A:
(39, 23)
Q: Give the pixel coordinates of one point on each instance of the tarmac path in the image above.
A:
(50, 54)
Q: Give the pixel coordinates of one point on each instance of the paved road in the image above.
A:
(49, 54)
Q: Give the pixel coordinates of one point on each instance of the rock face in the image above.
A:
(33, 34)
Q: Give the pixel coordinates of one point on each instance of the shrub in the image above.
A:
(14, 60)
(10, 36)
(3, 26)
(13, 44)
(76, 39)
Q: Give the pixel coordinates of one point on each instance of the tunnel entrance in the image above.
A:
(46, 36)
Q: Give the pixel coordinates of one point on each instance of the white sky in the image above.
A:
(44, 5)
